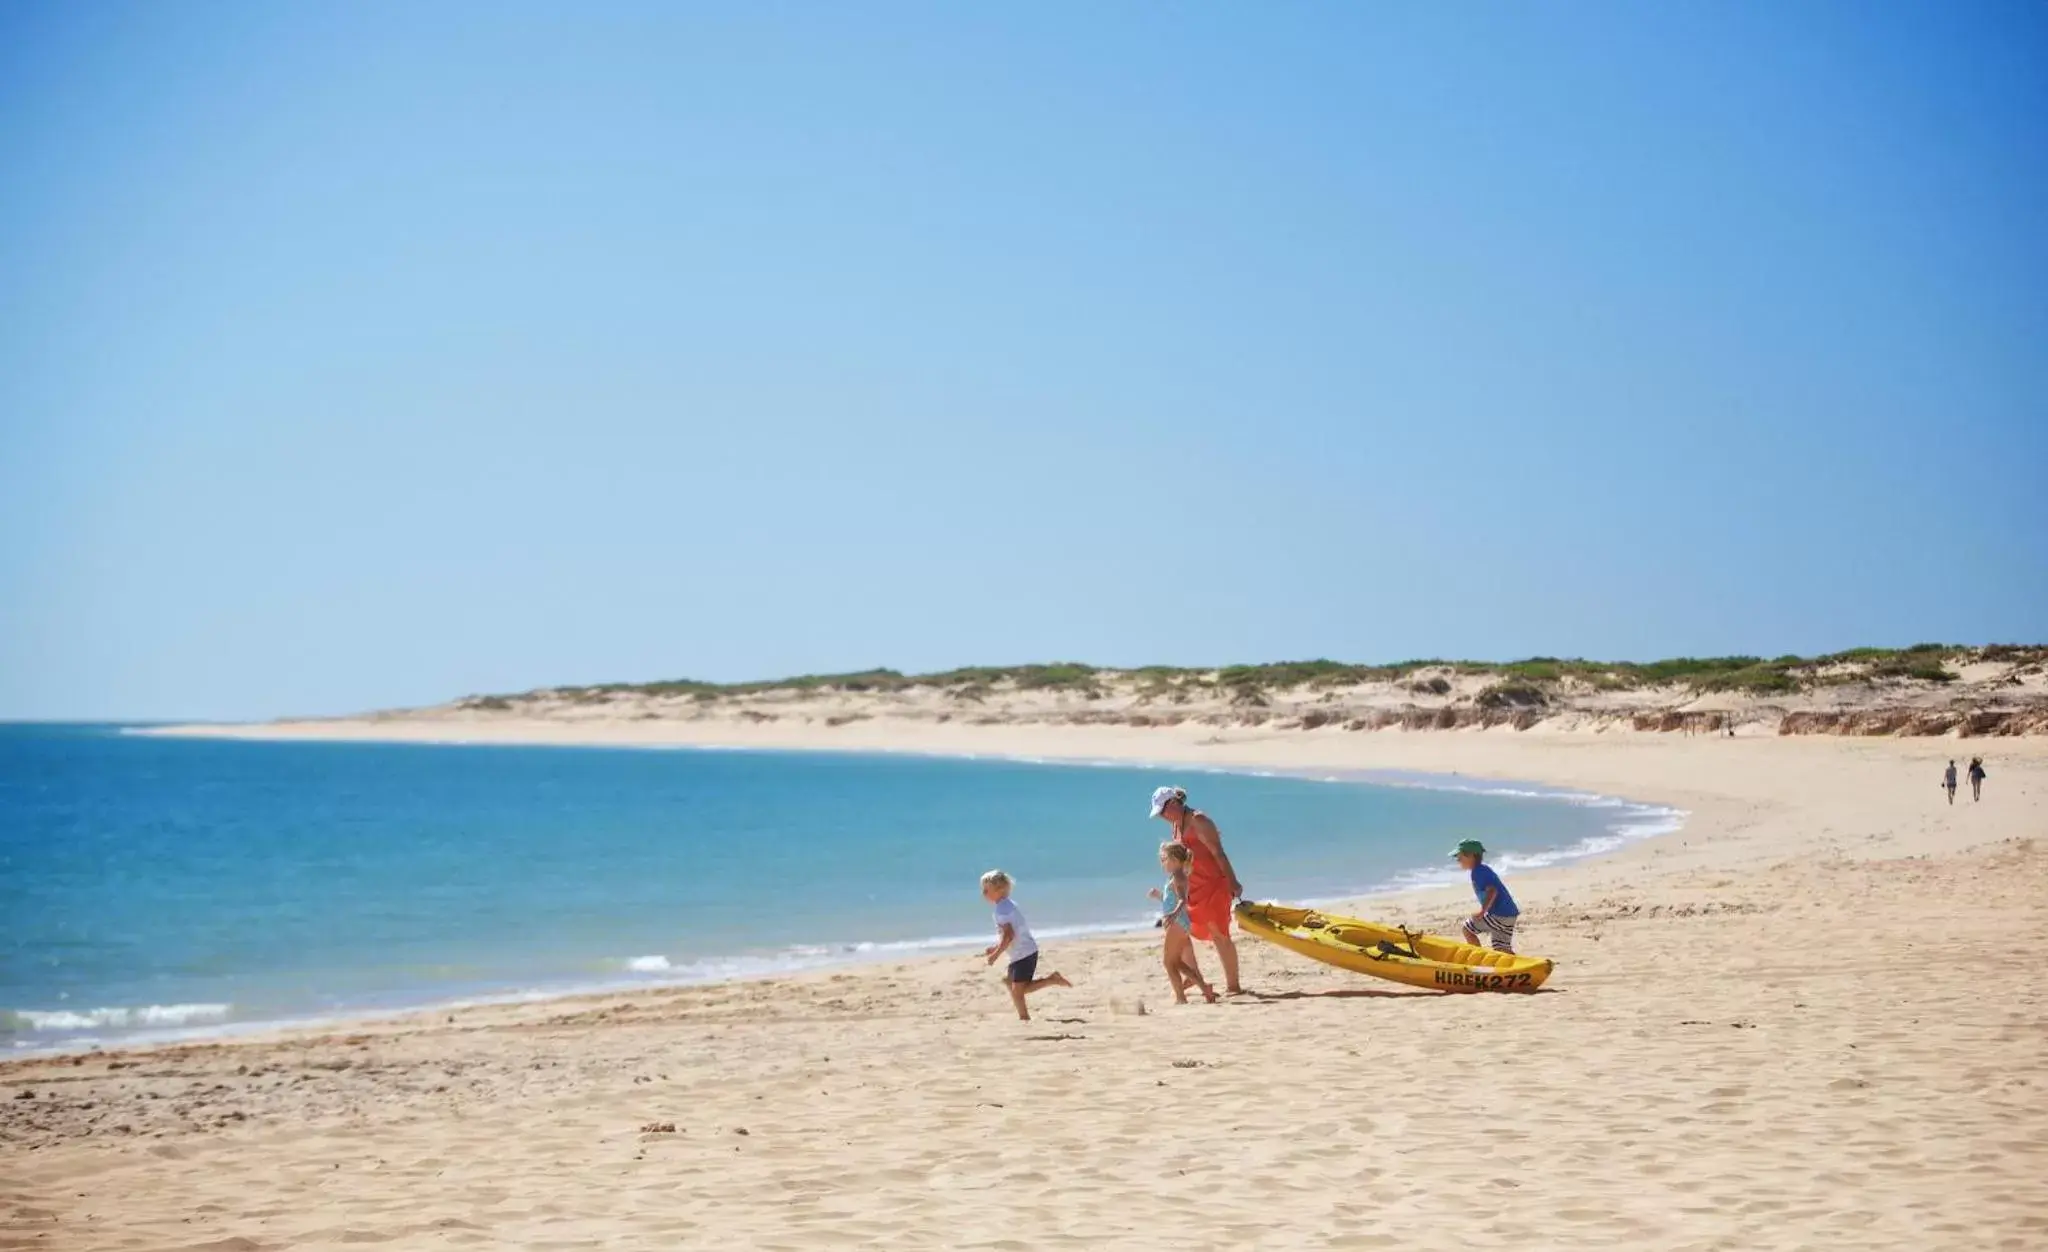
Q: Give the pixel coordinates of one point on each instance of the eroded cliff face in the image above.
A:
(1969, 724)
(1969, 692)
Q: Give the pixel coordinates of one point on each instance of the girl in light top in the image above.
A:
(1177, 953)
(1014, 939)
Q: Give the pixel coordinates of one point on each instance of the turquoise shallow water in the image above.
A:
(154, 885)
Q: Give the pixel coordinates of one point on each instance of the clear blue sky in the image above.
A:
(358, 355)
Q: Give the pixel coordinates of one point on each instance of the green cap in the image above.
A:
(1473, 846)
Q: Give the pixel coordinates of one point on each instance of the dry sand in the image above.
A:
(1814, 1018)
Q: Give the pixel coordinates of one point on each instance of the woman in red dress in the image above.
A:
(1212, 884)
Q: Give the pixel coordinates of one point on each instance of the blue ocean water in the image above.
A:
(155, 885)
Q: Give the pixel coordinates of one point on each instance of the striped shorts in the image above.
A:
(1500, 929)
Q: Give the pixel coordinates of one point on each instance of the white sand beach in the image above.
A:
(1647, 403)
(1808, 1019)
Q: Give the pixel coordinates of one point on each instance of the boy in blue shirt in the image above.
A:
(1497, 913)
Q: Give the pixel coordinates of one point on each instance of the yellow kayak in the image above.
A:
(1392, 952)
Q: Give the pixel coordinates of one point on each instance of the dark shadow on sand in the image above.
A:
(1374, 993)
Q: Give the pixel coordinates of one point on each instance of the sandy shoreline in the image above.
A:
(1796, 1023)
(1634, 821)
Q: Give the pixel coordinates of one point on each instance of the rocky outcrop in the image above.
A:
(1477, 716)
(1979, 723)
(1673, 720)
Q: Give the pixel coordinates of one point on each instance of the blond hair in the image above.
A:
(1174, 850)
(996, 878)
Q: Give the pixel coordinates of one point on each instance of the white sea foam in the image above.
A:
(1631, 821)
(807, 957)
(119, 1018)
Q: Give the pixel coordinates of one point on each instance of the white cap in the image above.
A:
(1165, 796)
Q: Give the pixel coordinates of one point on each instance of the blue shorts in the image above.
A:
(1024, 968)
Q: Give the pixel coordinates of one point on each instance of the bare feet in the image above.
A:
(1209, 993)
(1059, 979)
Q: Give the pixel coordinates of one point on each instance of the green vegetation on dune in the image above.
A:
(2019, 653)
(1528, 683)
(1285, 674)
(1762, 678)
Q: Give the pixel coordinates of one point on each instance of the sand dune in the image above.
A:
(1995, 691)
(1801, 1022)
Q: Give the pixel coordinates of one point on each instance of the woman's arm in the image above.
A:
(1206, 831)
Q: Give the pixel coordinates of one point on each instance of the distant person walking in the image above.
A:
(1976, 778)
(1212, 883)
(1948, 781)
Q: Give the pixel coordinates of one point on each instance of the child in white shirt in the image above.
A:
(1014, 938)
